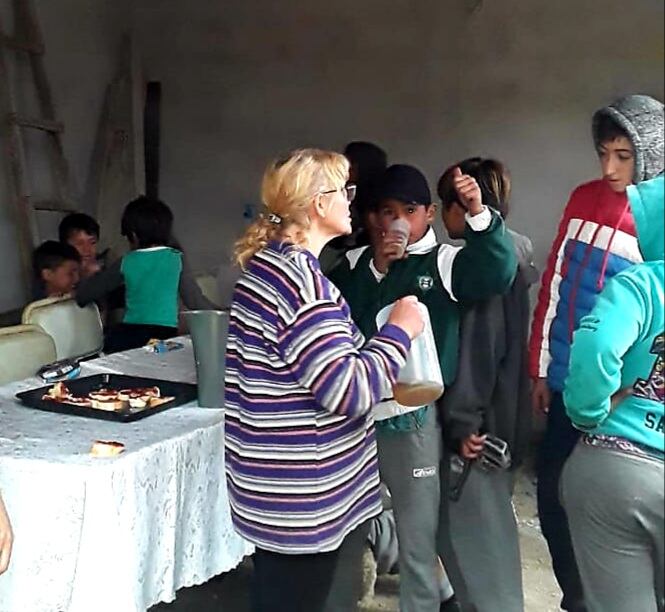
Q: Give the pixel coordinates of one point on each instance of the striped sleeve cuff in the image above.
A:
(397, 335)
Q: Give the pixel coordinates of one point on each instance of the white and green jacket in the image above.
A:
(441, 276)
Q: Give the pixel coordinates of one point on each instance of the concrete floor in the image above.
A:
(229, 593)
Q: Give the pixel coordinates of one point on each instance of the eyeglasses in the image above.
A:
(349, 191)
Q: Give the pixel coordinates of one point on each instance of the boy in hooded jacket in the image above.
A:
(612, 485)
(596, 240)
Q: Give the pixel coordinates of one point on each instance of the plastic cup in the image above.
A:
(400, 228)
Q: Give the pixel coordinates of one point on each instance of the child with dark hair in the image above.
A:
(595, 241)
(82, 232)
(490, 395)
(152, 274)
(56, 269)
(443, 278)
(367, 163)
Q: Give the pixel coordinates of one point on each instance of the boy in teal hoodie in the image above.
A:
(444, 278)
(612, 485)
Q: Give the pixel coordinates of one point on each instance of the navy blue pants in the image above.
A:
(557, 445)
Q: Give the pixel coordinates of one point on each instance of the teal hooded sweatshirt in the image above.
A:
(619, 344)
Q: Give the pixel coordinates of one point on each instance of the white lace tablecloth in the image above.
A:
(117, 534)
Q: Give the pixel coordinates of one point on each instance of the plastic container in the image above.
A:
(209, 330)
(419, 382)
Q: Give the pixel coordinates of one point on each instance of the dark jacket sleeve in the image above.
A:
(491, 391)
(487, 264)
(98, 286)
(190, 292)
(482, 347)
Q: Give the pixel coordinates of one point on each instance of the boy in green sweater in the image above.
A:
(443, 278)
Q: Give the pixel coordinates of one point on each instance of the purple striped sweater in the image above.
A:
(300, 448)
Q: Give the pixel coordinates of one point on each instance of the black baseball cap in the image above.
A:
(404, 183)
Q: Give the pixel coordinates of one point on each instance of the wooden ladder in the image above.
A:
(13, 124)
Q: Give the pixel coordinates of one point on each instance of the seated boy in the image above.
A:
(56, 268)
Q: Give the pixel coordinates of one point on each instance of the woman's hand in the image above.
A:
(472, 446)
(468, 191)
(6, 538)
(406, 315)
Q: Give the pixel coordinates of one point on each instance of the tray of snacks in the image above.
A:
(111, 397)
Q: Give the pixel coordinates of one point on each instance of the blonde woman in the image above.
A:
(300, 382)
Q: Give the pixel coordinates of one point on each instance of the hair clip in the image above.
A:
(273, 218)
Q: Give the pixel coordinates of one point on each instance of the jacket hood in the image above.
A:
(642, 119)
(648, 204)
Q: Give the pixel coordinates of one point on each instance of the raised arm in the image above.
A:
(96, 287)
(487, 264)
(190, 292)
(317, 343)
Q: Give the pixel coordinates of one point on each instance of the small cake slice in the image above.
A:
(106, 448)
(110, 404)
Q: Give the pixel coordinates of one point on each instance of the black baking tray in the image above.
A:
(181, 392)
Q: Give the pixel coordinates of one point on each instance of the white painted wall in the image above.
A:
(426, 79)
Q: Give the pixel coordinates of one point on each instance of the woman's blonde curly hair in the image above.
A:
(287, 190)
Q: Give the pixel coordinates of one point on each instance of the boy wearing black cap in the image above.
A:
(442, 277)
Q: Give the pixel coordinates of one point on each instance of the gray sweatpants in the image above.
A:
(484, 535)
(409, 466)
(615, 507)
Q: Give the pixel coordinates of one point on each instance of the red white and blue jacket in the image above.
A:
(596, 240)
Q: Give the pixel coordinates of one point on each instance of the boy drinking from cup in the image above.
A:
(442, 277)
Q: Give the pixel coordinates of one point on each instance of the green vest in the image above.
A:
(152, 279)
(416, 275)
(486, 266)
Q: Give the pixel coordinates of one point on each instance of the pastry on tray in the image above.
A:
(106, 448)
(109, 399)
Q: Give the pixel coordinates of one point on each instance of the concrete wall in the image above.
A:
(432, 81)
